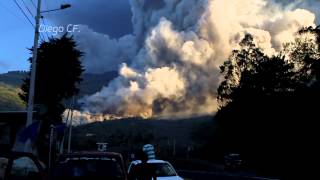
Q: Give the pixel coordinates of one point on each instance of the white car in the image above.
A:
(164, 169)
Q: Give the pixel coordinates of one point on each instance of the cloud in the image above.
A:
(181, 44)
(112, 17)
(113, 31)
(311, 5)
(103, 53)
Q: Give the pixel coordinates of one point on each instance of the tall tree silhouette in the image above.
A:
(265, 101)
(58, 73)
(241, 61)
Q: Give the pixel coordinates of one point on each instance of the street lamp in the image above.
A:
(63, 6)
(34, 59)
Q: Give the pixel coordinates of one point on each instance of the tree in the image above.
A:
(250, 70)
(243, 60)
(304, 52)
(58, 73)
(267, 103)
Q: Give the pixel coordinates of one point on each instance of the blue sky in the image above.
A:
(16, 36)
(111, 17)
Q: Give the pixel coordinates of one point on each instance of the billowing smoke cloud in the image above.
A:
(311, 5)
(102, 53)
(97, 14)
(180, 45)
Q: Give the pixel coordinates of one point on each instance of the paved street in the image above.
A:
(198, 175)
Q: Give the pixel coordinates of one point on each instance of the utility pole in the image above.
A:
(70, 126)
(70, 132)
(34, 66)
(34, 59)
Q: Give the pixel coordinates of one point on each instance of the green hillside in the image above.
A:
(9, 91)
(91, 82)
(13, 78)
(9, 98)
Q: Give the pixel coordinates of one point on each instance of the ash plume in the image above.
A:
(170, 64)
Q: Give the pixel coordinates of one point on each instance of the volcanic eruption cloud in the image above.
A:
(169, 66)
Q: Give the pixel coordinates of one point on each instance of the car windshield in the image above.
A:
(164, 169)
(89, 168)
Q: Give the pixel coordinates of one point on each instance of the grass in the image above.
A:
(9, 98)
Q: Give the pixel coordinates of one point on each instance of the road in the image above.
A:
(198, 175)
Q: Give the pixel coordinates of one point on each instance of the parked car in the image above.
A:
(21, 166)
(164, 170)
(90, 165)
(232, 161)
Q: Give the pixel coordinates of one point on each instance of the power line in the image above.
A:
(43, 21)
(46, 3)
(42, 37)
(25, 5)
(25, 15)
(34, 5)
(10, 12)
(47, 6)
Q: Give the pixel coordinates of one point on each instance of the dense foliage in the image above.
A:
(268, 105)
(58, 75)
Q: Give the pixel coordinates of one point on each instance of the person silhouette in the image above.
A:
(143, 170)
